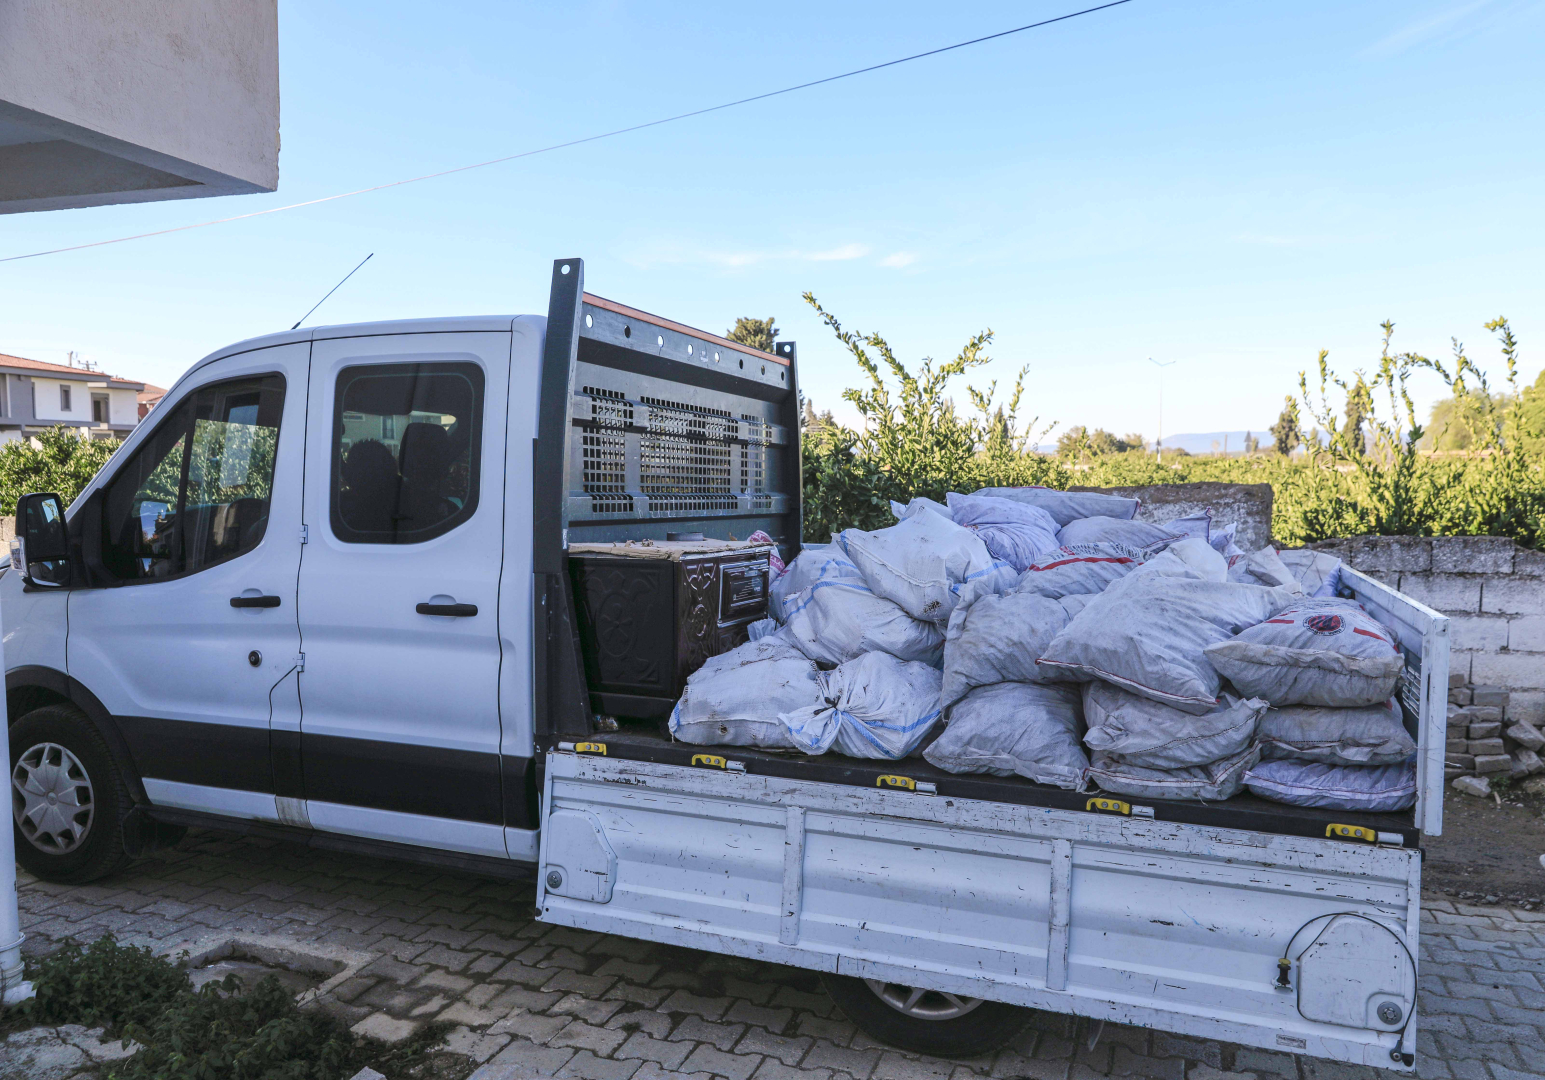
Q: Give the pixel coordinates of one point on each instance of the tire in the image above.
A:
(938, 1024)
(67, 796)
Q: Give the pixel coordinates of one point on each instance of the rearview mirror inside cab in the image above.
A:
(41, 550)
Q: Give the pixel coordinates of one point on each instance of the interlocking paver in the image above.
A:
(711, 1060)
(531, 1000)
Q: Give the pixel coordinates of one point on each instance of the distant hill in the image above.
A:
(1197, 443)
(1201, 442)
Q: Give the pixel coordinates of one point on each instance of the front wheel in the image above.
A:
(926, 1021)
(67, 797)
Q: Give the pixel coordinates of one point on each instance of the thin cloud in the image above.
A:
(1424, 30)
(899, 259)
(839, 254)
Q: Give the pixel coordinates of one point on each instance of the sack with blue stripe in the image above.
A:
(873, 707)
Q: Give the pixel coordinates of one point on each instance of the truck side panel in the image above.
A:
(1170, 926)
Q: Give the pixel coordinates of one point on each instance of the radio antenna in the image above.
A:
(330, 292)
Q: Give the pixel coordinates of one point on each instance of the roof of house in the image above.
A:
(21, 363)
(150, 393)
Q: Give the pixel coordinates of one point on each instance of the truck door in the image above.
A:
(192, 637)
(399, 589)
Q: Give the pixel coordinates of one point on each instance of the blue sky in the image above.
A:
(1228, 186)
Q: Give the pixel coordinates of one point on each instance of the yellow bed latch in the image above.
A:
(1352, 832)
(590, 748)
(1115, 806)
(906, 783)
(713, 761)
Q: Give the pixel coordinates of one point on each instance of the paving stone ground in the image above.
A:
(531, 1000)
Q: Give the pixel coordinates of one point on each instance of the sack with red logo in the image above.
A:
(1326, 652)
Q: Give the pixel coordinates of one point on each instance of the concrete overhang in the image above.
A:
(136, 101)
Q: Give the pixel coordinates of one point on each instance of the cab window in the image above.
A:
(197, 492)
(407, 440)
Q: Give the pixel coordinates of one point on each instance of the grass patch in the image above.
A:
(223, 1030)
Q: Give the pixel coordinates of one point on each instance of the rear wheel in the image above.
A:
(67, 797)
(926, 1021)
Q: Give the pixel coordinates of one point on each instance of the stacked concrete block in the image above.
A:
(1494, 594)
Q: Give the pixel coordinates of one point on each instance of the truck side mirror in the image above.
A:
(41, 551)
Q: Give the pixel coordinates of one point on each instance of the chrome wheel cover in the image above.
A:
(51, 798)
(922, 1004)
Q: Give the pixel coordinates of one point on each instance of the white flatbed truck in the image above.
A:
(230, 628)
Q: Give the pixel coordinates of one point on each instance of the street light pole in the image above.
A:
(1158, 445)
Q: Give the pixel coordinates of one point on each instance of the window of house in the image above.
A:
(197, 492)
(64, 397)
(407, 441)
(99, 408)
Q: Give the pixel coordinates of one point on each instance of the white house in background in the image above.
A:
(36, 395)
(136, 101)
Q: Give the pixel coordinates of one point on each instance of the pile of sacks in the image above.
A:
(1050, 635)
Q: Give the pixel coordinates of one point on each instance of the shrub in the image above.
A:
(62, 462)
(1367, 474)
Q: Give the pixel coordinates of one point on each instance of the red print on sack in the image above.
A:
(1324, 624)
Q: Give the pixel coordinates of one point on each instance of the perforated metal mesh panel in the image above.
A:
(673, 432)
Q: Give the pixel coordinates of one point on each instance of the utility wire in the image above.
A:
(330, 292)
(585, 139)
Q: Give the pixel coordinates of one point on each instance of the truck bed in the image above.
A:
(641, 741)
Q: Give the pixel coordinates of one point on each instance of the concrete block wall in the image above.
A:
(1491, 589)
(1494, 594)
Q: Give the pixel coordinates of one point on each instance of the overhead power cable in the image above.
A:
(581, 141)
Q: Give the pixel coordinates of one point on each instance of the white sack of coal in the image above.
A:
(1370, 735)
(815, 562)
(1082, 570)
(1016, 533)
(1014, 729)
(922, 502)
(1137, 731)
(873, 707)
(1318, 572)
(1066, 506)
(1213, 782)
(1148, 633)
(922, 562)
(835, 621)
(1316, 652)
(1372, 788)
(1191, 556)
(736, 697)
(1264, 567)
(998, 638)
(1109, 530)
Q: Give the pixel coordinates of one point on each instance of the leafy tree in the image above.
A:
(1080, 442)
(755, 333)
(1252, 444)
(1457, 420)
(57, 459)
(1284, 432)
(1359, 406)
(1531, 411)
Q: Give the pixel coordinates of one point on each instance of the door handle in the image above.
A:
(455, 611)
(254, 601)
